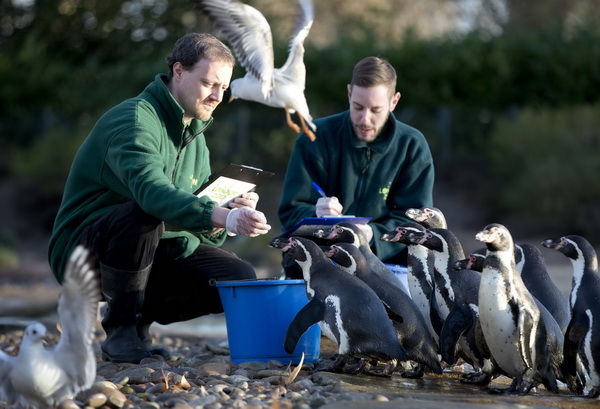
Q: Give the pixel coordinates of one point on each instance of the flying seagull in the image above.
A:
(249, 33)
(40, 377)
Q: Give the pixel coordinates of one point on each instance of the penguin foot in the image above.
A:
(519, 387)
(412, 374)
(337, 366)
(477, 378)
(386, 372)
(361, 366)
(593, 393)
(416, 374)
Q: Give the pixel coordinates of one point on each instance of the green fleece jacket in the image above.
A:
(381, 179)
(139, 150)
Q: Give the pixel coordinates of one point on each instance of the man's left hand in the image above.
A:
(249, 199)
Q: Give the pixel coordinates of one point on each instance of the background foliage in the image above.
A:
(509, 106)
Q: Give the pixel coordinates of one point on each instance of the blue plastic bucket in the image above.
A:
(257, 315)
(401, 272)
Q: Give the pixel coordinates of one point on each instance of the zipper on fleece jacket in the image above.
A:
(184, 142)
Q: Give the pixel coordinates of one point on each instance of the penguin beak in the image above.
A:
(279, 242)
(555, 244)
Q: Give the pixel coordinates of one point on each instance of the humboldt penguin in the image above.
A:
(457, 295)
(347, 310)
(535, 275)
(531, 266)
(511, 321)
(420, 274)
(429, 217)
(412, 330)
(350, 233)
(583, 332)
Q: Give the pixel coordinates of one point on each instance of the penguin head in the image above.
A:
(473, 262)
(344, 255)
(400, 233)
(429, 217)
(302, 249)
(572, 246)
(343, 233)
(496, 238)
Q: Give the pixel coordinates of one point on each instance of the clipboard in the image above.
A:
(308, 225)
(231, 182)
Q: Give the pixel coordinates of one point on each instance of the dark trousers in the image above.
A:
(178, 289)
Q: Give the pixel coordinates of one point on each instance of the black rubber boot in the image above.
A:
(124, 294)
(143, 330)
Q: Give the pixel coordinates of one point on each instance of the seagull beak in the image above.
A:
(231, 98)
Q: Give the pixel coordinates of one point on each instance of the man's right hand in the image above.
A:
(247, 222)
(328, 206)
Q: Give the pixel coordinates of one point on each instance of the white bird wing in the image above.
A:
(77, 312)
(249, 34)
(294, 69)
(7, 392)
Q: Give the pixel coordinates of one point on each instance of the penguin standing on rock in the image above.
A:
(583, 332)
(457, 294)
(348, 310)
(420, 274)
(412, 331)
(350, 233)
(511, 322)
(535, 276)
(531, 266)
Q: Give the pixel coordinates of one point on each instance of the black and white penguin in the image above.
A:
(429, 217)
(347, 310)
(534, 272)
(456, 293)
(412, 330)
(583, 332)
(512, 324)
(420, 274)
(530, 264)
(350, 233)
(474, 261)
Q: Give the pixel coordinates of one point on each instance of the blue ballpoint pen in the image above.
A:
(318, 189)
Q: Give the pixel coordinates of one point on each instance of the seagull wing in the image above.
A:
(249, 33)
(7, 391)
(77, 311)
(294, 68)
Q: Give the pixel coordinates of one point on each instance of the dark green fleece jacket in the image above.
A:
(139, 150)
(381, 179)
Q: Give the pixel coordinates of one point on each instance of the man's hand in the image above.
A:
(249, 199)
(328, 206)
(247, 222)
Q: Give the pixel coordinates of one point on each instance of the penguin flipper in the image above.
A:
(435, 315)
(393, 315)
(309, 315)
(574, 336)
(459, 320)
(525, 329)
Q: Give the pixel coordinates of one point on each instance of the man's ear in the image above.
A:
(177, 70)
(394, 101)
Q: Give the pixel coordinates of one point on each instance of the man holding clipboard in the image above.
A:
(130, 198)
(367, 163)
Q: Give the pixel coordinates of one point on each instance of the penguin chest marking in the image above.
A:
(333, 317)
(587, 349)
(499, 323)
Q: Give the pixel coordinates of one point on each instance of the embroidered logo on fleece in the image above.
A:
(385, 191)
(194, 181)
